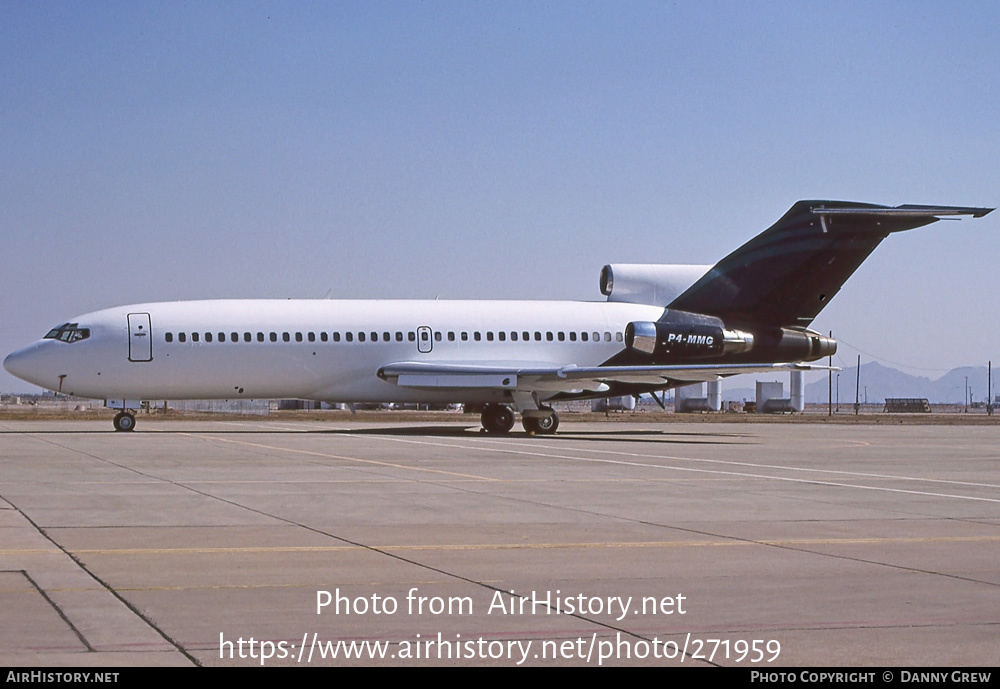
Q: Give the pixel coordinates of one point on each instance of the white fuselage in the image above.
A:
(315, 349)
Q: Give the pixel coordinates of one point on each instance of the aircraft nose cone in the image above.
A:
(24, 364)
(14, 363)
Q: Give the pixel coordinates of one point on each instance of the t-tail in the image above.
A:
(756, 303)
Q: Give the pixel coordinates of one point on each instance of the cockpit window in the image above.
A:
(68, 332)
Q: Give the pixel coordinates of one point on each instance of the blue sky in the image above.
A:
(159, 151)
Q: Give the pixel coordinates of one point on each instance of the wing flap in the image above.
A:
(454, 379)
(535, 377)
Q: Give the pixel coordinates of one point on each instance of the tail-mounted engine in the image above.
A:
(691, 341)
(680, 336)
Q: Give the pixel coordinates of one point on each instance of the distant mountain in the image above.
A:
(883, 381)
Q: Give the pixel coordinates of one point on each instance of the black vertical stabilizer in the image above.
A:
(786, 275)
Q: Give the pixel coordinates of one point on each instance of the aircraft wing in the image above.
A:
(568, 378)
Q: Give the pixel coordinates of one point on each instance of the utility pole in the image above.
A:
(989, 388)
(830, 385)
(838, 393)
(857, 389)
(967, 394)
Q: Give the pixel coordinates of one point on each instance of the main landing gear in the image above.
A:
(124, 421)
(499, 418)
(541, 425)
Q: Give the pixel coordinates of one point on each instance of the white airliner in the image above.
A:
(662, 326)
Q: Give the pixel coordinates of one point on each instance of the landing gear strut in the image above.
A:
(541, 425)
(497, 418)
(124, 421)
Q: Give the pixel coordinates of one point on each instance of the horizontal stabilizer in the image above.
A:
(907, 211)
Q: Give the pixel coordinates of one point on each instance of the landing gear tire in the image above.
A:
(497, 418)
(547, 425)
(124, 422)
(541, 425)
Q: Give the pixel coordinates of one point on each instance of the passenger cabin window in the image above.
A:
(194, 337)
(336, 337)
(349, 336)
(298, 337)
(168, 337)
(247, 338)
(361, 337)
(323, 336)
(399, 336)
(273, 337)
(181, 337)
(208, 337)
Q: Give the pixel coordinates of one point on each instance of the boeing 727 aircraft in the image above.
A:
(662, 326)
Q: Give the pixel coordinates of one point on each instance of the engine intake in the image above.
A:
(648, 283)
